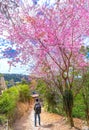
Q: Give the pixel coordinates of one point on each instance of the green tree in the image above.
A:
(86, 94)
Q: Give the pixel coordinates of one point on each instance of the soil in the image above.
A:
(49, 121)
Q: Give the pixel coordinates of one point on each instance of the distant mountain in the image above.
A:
(15, 77)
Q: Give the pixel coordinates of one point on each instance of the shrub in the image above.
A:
(10, 98)
(52, 101)
(3, 119)
(24, 93)
(78, 110)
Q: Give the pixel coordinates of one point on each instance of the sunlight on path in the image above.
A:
(31, 119)
(27, 123)
(49, 121)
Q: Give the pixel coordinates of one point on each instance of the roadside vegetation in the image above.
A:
(9, 100)
(54, 102)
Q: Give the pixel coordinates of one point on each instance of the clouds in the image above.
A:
(5, 68)
(8, 52)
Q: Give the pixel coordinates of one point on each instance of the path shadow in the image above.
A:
(47, 126)
(77, 128)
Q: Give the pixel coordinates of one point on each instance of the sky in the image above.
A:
(4, 66)
(7, 54)
(19, 69)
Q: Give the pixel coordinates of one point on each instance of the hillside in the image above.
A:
(15, 77)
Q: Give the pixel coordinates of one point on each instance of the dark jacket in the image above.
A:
(37, 108)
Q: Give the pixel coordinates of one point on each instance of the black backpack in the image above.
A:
(37, 108)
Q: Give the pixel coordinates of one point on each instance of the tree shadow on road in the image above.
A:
(47, 125)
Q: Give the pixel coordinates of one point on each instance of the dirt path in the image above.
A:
(49, 121)
(27, 123)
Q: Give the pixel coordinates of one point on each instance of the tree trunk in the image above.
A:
(70, 120)
(68, 105)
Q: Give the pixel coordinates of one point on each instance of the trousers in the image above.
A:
(37, 116)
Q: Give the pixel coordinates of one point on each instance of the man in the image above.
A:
(37, 109)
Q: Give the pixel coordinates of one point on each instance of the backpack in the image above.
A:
(37, 108)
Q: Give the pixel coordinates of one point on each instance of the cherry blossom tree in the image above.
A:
(53, 36)
(7, 7)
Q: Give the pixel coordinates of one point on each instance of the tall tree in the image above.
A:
(53, 36)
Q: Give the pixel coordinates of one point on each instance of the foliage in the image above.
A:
(15, 77)
(10, 98)
(41, 87)
(85, 94)
(24, 93)
(8, 101)
(51, 99)
(57, 106)
(1, 75)
(3, 119)
(79, 107)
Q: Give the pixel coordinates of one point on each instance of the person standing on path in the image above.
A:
(37, 110)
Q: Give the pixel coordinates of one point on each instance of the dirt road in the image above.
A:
(49, 121)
